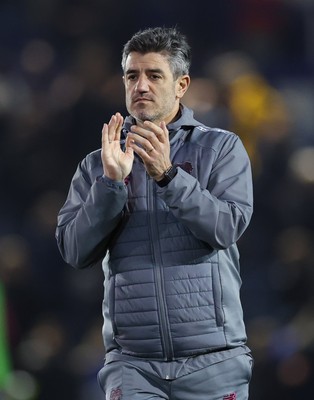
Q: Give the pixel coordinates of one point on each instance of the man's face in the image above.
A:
(151, 92)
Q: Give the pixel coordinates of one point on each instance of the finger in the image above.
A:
(140, 145)
(161, 132)
(119, 124)
(144, 137)
(149, 131)
(148, 151)
(139, 141)
(163, 126)
(164, 133)
(114, 126)
(111, 128)
(104, 136)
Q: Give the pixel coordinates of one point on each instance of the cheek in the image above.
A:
(127, 95)
(128, 101)
(172, 94)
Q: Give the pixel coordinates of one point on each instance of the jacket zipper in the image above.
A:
(158, 271)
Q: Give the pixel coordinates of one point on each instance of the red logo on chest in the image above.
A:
(231, 396)
(116, 394)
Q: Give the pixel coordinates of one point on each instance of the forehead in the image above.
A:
(137, 62)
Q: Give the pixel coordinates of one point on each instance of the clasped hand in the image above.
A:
(149, 141)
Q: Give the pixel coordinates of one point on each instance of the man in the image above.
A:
(165, 200)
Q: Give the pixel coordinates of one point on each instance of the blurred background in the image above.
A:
(60, 80)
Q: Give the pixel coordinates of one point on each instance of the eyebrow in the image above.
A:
(150, 70)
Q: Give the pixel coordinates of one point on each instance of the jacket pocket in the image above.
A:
(112, 304)
(217, 294)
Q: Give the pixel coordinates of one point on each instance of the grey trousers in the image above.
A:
(226, 380)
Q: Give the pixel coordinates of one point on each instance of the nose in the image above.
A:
(142, 84)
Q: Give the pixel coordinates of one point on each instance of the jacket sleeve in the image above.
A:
(219, 213)
(90, 214)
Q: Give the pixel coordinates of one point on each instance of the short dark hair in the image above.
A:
(168, 41)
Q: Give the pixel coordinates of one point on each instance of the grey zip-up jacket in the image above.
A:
(172, 276)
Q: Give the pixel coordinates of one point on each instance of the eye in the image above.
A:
(131, 77)
(155, 77)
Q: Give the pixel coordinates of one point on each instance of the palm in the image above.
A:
(116, 162)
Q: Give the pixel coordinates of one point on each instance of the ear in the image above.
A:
(123, 79)
(183, 83)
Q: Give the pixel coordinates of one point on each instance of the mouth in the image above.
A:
(141, 99)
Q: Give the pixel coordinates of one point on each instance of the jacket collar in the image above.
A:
(185, 120)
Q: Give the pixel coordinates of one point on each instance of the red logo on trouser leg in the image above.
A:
(116, 394)
(231, 396)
